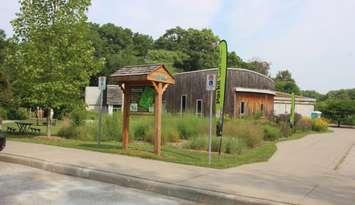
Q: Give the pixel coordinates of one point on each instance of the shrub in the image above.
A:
(198, 143)
(271, 133)
(17, 114)
(78, 117)
(234, 145)
(285, 129)
(249, 130)
(319, 124)
(111, 127)
(304, 124)
(190, 125)
(286, 118)
(3, 113)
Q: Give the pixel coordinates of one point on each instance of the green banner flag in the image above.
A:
(147, 98)
(221, 85)
(292, 112)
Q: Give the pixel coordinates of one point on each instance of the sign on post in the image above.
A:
(210, 86)
(102, 83)
(102, 87)
(211, 82)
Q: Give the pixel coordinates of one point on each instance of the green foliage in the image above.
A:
(3, 113)
(338, 110)
(234, 145)
(285, 83)
(304, 124)
(78, 117)
(319, 124)
(311, 94)
(51, 58)
(259, 66)
(272, 133)
(171, 59)
(17, 114)
(190, 125)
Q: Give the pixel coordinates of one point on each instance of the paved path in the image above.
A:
(318, 169)
(21, 185)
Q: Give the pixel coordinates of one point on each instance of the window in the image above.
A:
(183, 103)
(199, 106)
(242, 107)
(262, 108)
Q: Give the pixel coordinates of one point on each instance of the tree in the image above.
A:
(172, 59)
(196, 44)
(339, 110)
(259, 66)
(52, 59)
(119, 46)
(285, 83)
(311, 94)
(235, 61)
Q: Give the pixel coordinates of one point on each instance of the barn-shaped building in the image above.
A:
(247, 92)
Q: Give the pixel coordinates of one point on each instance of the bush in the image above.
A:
(285, 129)
(190, 125)
(198, 143)
(78, 117)
(249, 130)
(3, 113)
(234, 145)
(319, 124)
(271, 133)
(17, 114)
(304, 124)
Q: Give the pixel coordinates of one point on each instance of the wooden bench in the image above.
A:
(35, 130)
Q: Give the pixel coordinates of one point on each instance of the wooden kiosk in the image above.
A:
(132, 77)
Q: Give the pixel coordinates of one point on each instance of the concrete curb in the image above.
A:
(202, 196)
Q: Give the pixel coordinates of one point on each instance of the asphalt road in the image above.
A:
(29, 186)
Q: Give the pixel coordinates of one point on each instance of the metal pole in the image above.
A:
(100, 118)
(210, 134)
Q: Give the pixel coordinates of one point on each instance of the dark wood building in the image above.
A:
(248, 92)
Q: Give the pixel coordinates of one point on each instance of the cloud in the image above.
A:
(154, 16)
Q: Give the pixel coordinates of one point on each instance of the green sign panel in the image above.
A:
(221, 85)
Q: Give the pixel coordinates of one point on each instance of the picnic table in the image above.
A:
(23, 127)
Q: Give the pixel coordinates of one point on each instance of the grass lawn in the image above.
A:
(169, 153)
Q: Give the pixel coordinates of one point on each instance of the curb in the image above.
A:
(174, 190)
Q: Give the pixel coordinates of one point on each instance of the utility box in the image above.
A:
(316, 114)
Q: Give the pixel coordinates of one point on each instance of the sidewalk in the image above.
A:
(301, 172)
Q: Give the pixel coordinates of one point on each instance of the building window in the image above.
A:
(242, 107)
(183, 103)
(199, 106)
(262, 108)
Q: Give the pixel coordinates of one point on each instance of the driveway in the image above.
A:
(318, 169)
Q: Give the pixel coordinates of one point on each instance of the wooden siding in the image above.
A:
(253, 103)
(193, 85)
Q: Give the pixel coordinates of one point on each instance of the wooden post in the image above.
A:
(157, 115)
(125, 121)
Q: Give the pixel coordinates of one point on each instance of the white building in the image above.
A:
(303, 105)
(112, 98)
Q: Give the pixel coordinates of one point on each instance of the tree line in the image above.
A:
(55, 52)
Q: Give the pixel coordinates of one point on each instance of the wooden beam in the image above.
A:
(157, 121)
(125, 121)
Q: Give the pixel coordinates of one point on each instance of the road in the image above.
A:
(30, 186)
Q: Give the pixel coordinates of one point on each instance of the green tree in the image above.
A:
(196, 44)
(172, 59)
(285, 83)
(338, 110)
(119, 46)
(235, 61)
(311, 94)
(52, 59)
(259, 66)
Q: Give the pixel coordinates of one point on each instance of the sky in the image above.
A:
(314, 39)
